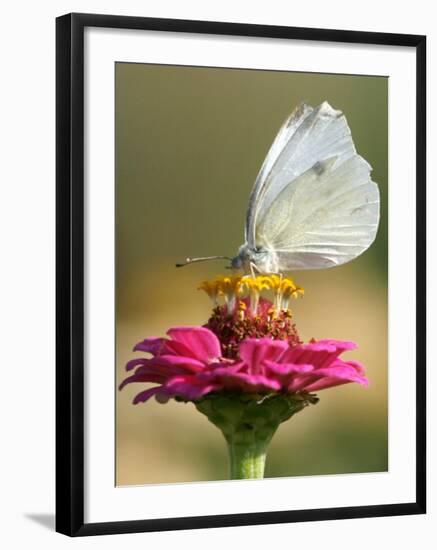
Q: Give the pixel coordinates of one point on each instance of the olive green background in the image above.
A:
(189, 144)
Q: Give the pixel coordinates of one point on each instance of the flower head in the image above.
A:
(189, 365)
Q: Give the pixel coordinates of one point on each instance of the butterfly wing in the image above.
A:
(326, 217)
(313, 203)
(309, 135)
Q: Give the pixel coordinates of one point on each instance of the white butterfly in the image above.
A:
(313, 205)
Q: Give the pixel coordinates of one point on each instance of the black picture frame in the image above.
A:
(70, 273)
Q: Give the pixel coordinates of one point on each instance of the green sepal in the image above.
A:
(248, 423)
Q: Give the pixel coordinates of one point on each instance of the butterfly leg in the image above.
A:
(278, 274)
(253, 268)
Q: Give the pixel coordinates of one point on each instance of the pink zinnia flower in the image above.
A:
(189, 365)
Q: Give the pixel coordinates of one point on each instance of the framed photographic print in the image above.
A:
(240, 274)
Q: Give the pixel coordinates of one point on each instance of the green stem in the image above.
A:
(248, 460)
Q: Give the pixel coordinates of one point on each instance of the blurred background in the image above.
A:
(189, 144)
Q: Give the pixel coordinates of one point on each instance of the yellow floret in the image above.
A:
(233, 287)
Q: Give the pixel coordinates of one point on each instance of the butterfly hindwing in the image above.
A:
(327, 217)
(313, 202)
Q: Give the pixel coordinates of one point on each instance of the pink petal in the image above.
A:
(151, 345)
(202, 343)
(320, 354)
(288, 368)
(136, 362)
(159, 378)
(343, 373)
(257, 381)
(189, 387)
(359, 367)
(147, 394)
(214, 372)
(341, 345)
(182, 363)
(300, 382)
(307, 353)
(254, 352)
(162, 346)
(334, 375)
(166, 371)
(340, 369)
(231, 379)
(328, 382)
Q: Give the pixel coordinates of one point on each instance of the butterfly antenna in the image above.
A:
(204, 259)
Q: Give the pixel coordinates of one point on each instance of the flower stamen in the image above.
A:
(232, 288)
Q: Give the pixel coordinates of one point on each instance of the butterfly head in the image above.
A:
(250, 260)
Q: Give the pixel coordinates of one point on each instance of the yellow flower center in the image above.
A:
(232, 288)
